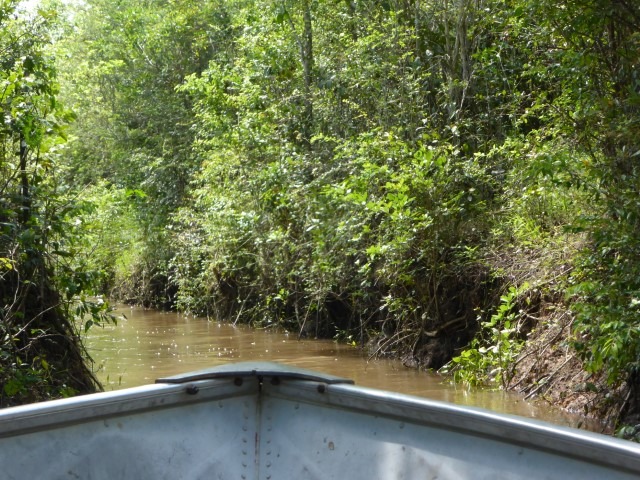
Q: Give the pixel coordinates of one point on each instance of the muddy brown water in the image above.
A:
(147, 344)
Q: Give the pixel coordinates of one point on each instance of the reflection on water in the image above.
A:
(146, 344)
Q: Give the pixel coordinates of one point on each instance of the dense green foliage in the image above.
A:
(41, 290)
(369, 170)
(419, 176)
(602, 120)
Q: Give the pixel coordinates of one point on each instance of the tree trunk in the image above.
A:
(306, 52)
(24, 181)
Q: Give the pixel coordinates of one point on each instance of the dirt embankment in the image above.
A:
(548, 369)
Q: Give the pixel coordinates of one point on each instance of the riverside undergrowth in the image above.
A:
(382, 171)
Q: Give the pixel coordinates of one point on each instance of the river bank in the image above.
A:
(550, 370)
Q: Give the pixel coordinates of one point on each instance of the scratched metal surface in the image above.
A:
(164, 434)
(262, 424)
(350, 433)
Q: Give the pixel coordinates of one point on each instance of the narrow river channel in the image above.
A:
(147, 344)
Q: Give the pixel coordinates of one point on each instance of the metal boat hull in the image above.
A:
(266, 421)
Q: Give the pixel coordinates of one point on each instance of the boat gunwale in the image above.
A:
(563, 441)
(49, 415)
(589, 447)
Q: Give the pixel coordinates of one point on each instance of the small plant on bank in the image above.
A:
(491, 355)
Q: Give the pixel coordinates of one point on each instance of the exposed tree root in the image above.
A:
(42, 355)
(549, 370)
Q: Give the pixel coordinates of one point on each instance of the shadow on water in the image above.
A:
(147, 344)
